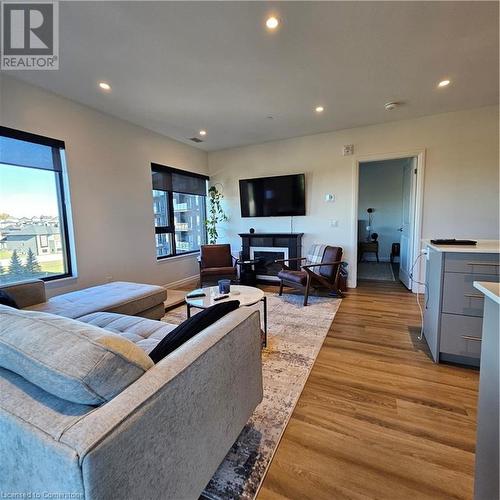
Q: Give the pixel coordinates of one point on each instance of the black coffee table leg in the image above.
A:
(264, 300)
(188, 309)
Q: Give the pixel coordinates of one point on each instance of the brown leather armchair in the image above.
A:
(322, 275)
(216, 262)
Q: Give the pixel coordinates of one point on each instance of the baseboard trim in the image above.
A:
(183, 281)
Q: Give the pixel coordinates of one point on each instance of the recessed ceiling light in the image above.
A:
(319, 109)
(203, 132)
(444, 83)
(272, 22)
(104, 86)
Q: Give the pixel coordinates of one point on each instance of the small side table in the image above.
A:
(248, 276)
(367, 247)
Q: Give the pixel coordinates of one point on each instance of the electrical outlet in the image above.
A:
(109, 279)
(334, 223)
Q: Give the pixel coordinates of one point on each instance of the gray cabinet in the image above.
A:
(453, 307)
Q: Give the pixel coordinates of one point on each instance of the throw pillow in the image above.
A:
(7, 300)
(191, 327)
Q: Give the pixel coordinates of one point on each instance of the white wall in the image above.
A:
(109, 165)
(461, 176)
(381, 188)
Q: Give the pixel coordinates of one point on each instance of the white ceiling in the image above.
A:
(178, 67)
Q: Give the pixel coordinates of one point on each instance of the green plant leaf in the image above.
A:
(216, 213)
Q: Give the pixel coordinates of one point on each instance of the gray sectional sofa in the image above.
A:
(161, 437)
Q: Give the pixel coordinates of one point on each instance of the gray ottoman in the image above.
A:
(123, 297)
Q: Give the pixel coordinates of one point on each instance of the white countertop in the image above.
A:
(490, 289)
(483, 246)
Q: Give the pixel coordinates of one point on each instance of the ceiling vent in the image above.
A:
(195, 139)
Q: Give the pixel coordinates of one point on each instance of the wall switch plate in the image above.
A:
(348, 149)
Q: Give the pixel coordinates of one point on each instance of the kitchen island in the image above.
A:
(486, 484)
(453, 312)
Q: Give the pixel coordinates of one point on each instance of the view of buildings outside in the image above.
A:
(160, 209)
(30, 243)
(189, 216)
(189, 221)
(30, 248)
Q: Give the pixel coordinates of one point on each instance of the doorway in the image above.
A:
(388, 200)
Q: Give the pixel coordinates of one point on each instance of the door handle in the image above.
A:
(400, 229)
(470, 337)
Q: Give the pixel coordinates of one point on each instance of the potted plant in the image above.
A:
(216, 213)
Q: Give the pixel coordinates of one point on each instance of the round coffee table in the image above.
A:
(247, 295)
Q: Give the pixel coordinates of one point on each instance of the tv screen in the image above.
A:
(284, 195)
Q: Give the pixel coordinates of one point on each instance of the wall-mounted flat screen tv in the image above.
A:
(283, 195)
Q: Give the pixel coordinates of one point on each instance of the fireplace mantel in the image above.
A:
(290, 244)
(273, 235)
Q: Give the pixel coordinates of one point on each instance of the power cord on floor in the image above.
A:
(421, 254)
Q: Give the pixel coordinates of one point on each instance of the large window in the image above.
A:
(179, 201)
(33, 225)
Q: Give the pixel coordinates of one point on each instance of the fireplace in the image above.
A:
(269, 247)
(267, 269)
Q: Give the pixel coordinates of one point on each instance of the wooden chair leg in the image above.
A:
(281, 288)
(306, 293)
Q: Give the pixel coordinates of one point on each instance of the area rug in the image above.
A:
(295, 336)
(379, 271)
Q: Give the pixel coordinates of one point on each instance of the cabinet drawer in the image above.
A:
(461, 335)
(472, 263)
(460, 296)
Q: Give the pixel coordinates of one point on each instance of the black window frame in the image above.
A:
(58, 148)
(170, 227)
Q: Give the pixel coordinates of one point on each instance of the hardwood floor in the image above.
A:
(377, 418)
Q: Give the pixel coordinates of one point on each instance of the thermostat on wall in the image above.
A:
(348, 149)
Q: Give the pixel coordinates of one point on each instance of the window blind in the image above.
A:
(29, 150)
(170, 179)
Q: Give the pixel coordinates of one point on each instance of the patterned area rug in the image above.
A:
(295, 336)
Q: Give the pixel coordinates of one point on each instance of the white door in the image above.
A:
(406, 257)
